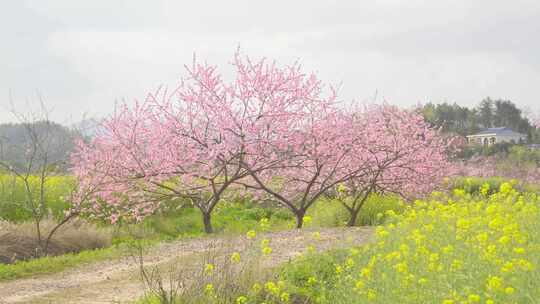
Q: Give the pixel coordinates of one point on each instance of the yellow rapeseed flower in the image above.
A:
(209, 268)
(272, 288)
(312, 281)
(235, 257)
(251, 234)
(284, 297)
(256, 287)
(519, 250)
(365, 272)
(473, 298)
(371, 295)
(494, 283)
(509, 290)
(209, 289)
(266, 250)
(507, 267)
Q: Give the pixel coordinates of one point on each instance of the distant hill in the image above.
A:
(44, 139)
(87, 128)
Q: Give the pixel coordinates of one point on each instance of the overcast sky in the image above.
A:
(82, 56)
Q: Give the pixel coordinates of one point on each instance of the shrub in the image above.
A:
(220, 274)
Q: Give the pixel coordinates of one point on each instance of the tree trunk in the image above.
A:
(39, 248)
(207, 220)
(353, 216)
(53, 231)
(300, 218)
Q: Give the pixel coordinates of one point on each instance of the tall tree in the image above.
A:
(486, 113)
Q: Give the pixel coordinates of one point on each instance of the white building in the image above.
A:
(496, 135)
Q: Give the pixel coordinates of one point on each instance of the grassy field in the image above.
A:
(47, 265)
(13, 196)
(479, 242)
(449, 249)
(230, 218)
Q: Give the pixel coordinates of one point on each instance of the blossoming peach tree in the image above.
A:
(274, 131)
(196, 141)
(401, 154)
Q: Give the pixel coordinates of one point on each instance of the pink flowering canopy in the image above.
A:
(411, 158)
(395, 151)
(193, 142)
(380, 148)
(273, 130)
(318, 155)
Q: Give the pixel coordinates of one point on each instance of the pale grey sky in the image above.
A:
(81, 56)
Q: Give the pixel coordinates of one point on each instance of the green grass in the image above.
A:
(55, 264)
(48, 265)
(330, 212)
(230, 217)
(240, 217)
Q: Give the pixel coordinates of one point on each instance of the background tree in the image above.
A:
(489, 113)
(403, 155)
(32, 152)
(452, 118)
(485, 113)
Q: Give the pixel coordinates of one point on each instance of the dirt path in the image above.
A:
(117, 281)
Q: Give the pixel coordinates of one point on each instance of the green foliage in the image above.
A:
(502, 148)
(331, 213)
(521, 155)
(310, 270)
(462, 120)
(233, 218)
(452, 118)
(474, 185)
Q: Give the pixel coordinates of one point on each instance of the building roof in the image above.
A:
(503, 131)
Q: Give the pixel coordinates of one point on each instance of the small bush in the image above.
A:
(219, 276)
